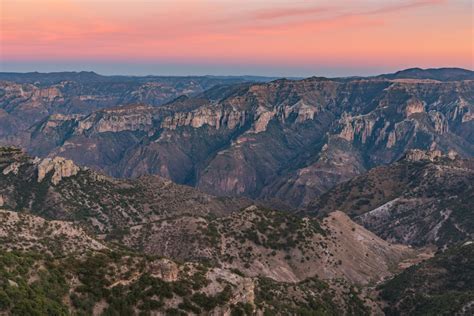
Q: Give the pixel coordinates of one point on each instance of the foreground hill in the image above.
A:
(157, 217)
(248, 261)
(55, 268)
(114, 283)
(284, 140)
(274, 244)
(425, 198)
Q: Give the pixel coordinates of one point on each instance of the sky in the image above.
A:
(230, 37)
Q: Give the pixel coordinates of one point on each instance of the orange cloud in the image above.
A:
(272, 13)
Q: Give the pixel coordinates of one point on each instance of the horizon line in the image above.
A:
(123, 74)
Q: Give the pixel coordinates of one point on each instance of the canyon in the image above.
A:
(237, 195)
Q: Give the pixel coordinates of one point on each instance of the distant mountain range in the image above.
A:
(85, 77)
(439, 74)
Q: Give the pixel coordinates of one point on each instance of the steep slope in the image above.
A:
(283, 140)
(425, 198)
(443, 285)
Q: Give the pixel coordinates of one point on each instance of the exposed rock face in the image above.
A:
(425, 198)
(164, 269)
(62, 168)
(414, 106)
(269, 141)
(417, 155)
(215, 117)
(108, 121)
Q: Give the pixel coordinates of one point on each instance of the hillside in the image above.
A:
(55, 268)
(274, 244)
(58, 189)
(442, 285)
(425, 198)
(157, 217)
(184, 252)
(24, 232)
(112, 283)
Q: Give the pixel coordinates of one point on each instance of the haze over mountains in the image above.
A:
(237, 195)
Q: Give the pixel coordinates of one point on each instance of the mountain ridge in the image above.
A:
(424, 198)
(292, 132)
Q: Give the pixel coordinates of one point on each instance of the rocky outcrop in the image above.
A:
(61, 168)
(417, 155)
(357, 128)
(211, 116)
(413, 106)
(164, 269)
(131, 118)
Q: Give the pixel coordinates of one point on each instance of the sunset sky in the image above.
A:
(260, 37)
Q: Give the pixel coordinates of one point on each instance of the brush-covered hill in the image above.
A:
(108, 246)
(442, 285)
(58, 189)
(424, 198)
(158, 217)
(274, 244)
(56, 268)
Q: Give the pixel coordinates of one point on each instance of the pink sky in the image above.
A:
(356, 34)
